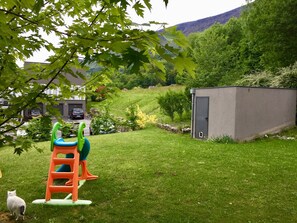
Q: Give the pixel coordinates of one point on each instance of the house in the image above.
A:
(64, 106)
(242, 113)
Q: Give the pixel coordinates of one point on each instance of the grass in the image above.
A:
(156, 176)
(145, 98)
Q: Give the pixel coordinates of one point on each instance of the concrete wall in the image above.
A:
(221, 110)
(263, 110)
(244, 113)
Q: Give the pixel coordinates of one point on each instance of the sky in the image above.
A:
(180, 11)
(176, 12)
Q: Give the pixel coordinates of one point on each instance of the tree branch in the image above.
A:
(54, 77)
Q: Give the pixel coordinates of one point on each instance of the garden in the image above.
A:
(153, 175)
(146, 174)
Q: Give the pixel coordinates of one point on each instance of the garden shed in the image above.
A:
(241, 113)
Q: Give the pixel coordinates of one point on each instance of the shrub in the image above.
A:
(285, 77)
(94, 112)
(131, 115)
(69, 129)
(144, 119)
(166, 103)
(137, 119)
(39, 129)
(103, 123)
(174, 102)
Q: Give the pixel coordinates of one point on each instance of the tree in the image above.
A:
(99, 31)
(271, 25)
(216, 52)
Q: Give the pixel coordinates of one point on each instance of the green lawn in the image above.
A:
(155, 176)
(145, 98)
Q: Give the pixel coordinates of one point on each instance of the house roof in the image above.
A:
(72, 79)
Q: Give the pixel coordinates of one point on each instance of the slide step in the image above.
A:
(62, 175)
(62, 189)
(58, 161)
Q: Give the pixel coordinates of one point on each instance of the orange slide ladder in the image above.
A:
(73, 175)
(66, 153)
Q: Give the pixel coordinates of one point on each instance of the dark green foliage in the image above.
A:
(39, 129)
(69, 129)
(145, 78)
(271, 26)
(103, 125)
(262, 40)
(166, 103)
(174, 102)
(101, 93)
(22, 144)
(216, 52)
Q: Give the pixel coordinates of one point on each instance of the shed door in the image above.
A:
(201, 118)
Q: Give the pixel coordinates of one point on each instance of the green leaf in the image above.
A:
(27, 3)
(139, 8)
(181, 64)
(148, 4)
(159, 65)
(38, 5)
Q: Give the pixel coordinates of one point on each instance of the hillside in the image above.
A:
(202, 24)
(145, 98)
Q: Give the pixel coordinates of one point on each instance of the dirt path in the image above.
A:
(6, 218)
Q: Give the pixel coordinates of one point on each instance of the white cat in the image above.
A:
(15, 204)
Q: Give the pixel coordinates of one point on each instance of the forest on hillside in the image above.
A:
(256, 49)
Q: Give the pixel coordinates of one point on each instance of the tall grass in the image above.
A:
(156, 176)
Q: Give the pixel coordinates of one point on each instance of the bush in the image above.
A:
(166, 103)
(103, 123)
(174, 102)
(39, 129)
(137, 119)
(131, 115)
(283, 78)
(69, 129)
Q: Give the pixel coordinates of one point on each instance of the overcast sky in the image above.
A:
(180, 11)
(177, 11)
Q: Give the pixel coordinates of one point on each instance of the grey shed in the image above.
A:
(242, 113)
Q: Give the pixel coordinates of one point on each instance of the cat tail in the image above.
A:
(22, 210)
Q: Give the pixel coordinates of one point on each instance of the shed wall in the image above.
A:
(244, 113)
(221, 110)
(263, 110)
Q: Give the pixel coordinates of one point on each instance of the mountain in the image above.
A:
(202, 24)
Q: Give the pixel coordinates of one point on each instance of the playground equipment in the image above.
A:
(76, 154)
